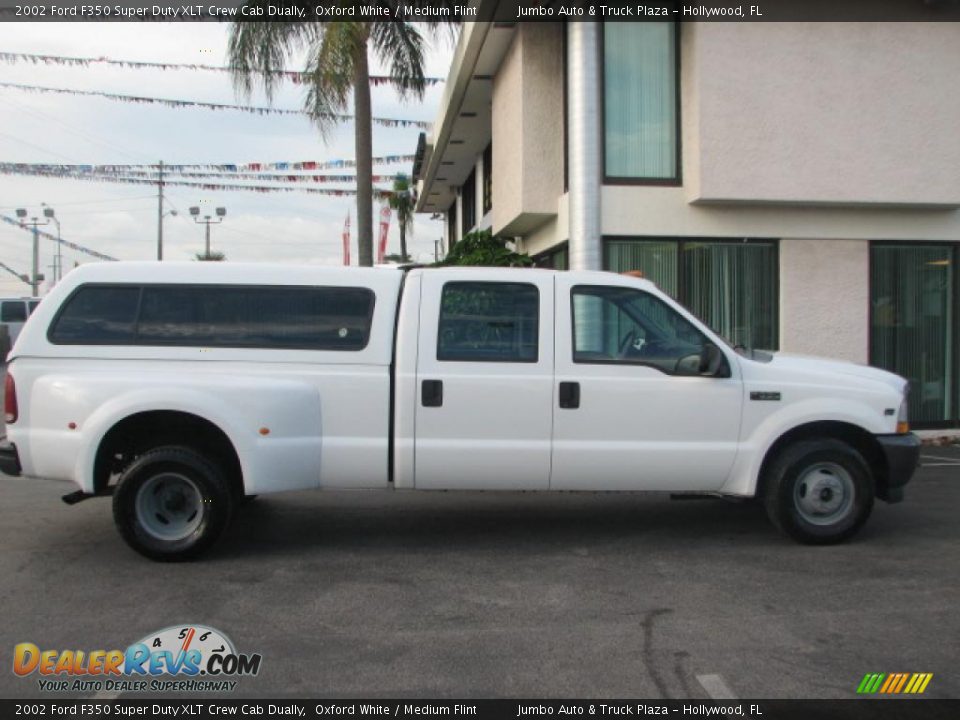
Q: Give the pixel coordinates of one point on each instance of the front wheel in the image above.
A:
(172, 503)
(819, 491)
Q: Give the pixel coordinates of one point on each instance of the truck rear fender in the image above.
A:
(279, 450)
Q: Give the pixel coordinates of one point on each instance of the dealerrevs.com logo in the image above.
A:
(180, 658)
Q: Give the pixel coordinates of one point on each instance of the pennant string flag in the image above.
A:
(5, 169)
(64, 243)
(66, 60)
(215, 168)
(246, 176)
(175, 103)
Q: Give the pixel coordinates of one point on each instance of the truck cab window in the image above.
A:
(624, 325)
(488, 322)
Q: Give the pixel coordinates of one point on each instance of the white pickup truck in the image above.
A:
(180, 388)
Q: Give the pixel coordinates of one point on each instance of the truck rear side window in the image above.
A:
(13, 311)
(331, 318)
(98, 315)
(307, 318)
(488, 322)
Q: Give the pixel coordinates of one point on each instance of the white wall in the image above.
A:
(527, 124)
(851, 113)
(825, 298)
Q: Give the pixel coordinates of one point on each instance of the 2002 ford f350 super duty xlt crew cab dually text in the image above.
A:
(180, 388)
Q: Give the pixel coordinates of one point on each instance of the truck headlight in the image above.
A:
(903, 423)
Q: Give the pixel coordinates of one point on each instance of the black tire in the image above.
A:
(811, 477)
(199, 501)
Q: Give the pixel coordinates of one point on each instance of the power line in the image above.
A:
(85, 202)
(75, 131)
(177, 103)
(35, 147)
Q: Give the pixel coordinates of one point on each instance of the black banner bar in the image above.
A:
(502, 11)
(865, 709)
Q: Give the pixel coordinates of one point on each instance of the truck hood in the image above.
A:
(810, 364)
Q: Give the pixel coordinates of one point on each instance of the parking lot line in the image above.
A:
(943, 460)
(716, 688)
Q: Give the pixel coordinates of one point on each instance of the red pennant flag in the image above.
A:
(346, 240)
(384, 231)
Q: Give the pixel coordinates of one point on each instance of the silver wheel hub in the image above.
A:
(169, 506)
(824, 493)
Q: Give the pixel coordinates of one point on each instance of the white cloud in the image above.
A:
(122, 220)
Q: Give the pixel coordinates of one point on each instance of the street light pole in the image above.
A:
(221, 213)
(34, 223)
(58, 258)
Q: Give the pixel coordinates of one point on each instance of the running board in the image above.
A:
(75, 497)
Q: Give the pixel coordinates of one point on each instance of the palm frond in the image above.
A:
(402, 200)
(399, 45)
(256, 50)
(331, 72)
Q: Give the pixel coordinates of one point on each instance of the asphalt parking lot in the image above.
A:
(493, 595)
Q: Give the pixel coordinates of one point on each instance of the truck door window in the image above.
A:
(13, 311)
(624, 325)
(488, 322)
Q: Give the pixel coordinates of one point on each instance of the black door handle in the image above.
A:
(569, 395)
(431, 393)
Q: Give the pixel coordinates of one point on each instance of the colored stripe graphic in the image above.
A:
(894, 683)
(903, 679)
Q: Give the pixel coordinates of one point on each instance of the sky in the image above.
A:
(121, 220)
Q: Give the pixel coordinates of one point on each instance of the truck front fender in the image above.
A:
(757, 442)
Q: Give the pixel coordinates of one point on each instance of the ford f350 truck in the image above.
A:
(180, 388)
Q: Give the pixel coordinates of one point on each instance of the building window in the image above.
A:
(468, 204)
(731, 286)
(556, 258)
(640, 102)
(488, 322)
(913, 301)
(488, 179)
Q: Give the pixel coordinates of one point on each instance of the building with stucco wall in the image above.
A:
(796, 185)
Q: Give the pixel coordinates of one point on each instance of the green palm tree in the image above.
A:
(337, 66)
(402, 202)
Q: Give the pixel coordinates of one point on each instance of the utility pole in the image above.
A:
(436, 250)
(160, 213)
